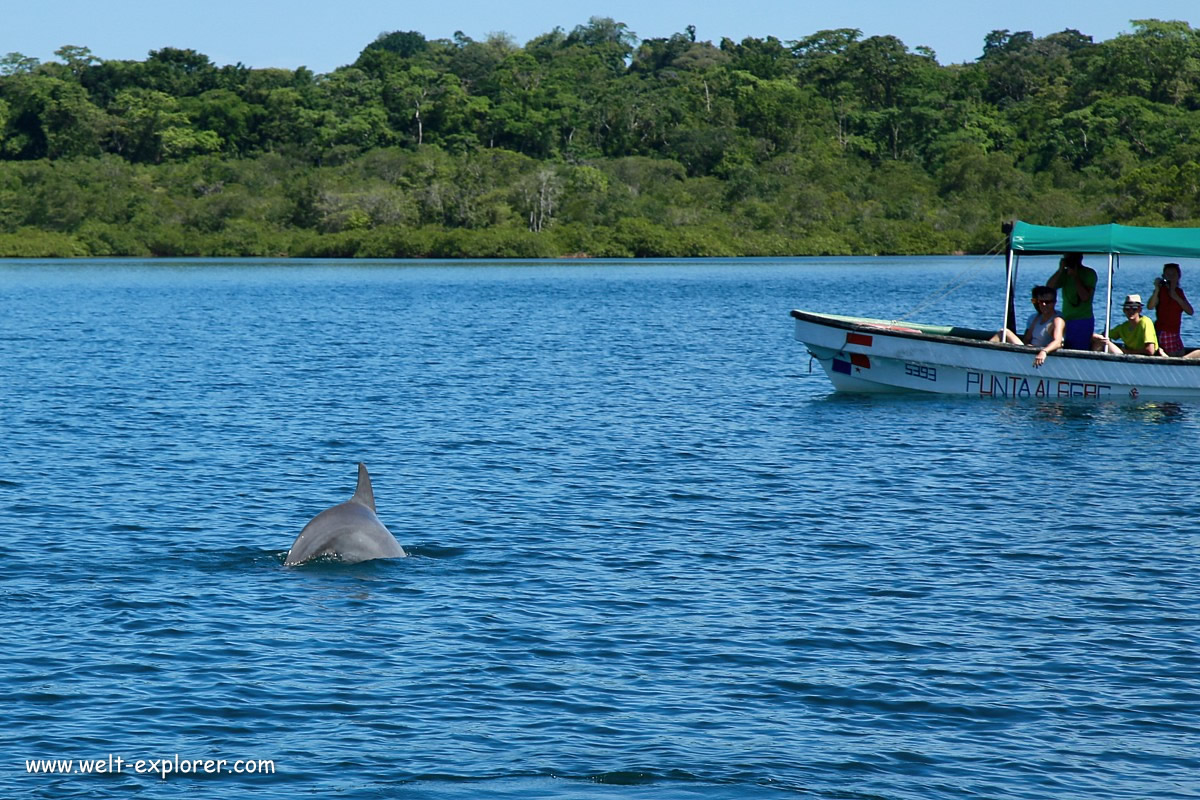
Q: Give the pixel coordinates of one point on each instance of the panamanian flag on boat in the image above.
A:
(850, 363)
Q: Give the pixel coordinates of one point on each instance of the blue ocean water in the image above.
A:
(653, 554)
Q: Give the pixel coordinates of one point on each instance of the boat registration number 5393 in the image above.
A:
(921, 371)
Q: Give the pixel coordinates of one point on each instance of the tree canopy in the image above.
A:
(594, 141)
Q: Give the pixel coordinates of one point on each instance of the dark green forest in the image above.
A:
(594, 142)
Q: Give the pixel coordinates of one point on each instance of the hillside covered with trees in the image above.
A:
(595, 142)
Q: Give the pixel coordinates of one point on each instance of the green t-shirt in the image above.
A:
(1072, 307)
(1135, 335)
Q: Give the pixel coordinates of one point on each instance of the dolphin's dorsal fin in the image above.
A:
(363, 493)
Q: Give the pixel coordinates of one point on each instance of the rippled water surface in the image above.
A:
(653, 556)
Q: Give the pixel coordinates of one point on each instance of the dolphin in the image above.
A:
(349, 530)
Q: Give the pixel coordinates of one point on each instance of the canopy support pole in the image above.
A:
(1010, 272)
(1108, 304)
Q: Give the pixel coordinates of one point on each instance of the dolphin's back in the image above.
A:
(349, 530)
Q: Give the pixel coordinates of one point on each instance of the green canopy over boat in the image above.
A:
(1119, 239)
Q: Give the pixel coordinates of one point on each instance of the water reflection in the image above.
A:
(1159, 412)
(1067, 410)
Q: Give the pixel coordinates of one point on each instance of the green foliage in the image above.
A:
(34, 243)
(404, 44)
(106, 239)
(17, 64)
(591, 142)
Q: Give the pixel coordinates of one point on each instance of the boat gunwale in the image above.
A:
(897, 328)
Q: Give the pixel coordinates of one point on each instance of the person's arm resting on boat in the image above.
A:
(1056, 342)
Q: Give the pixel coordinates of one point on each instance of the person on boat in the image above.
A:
(1169, 303)
(1078, 284)
(1045, 327)
(1136, 332)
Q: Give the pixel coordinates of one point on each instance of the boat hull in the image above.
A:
(861, 355)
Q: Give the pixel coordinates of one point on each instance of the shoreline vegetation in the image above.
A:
(596, 143)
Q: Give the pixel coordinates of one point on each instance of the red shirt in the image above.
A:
(1170, 313)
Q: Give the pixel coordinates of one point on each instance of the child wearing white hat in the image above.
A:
(1136, 332)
